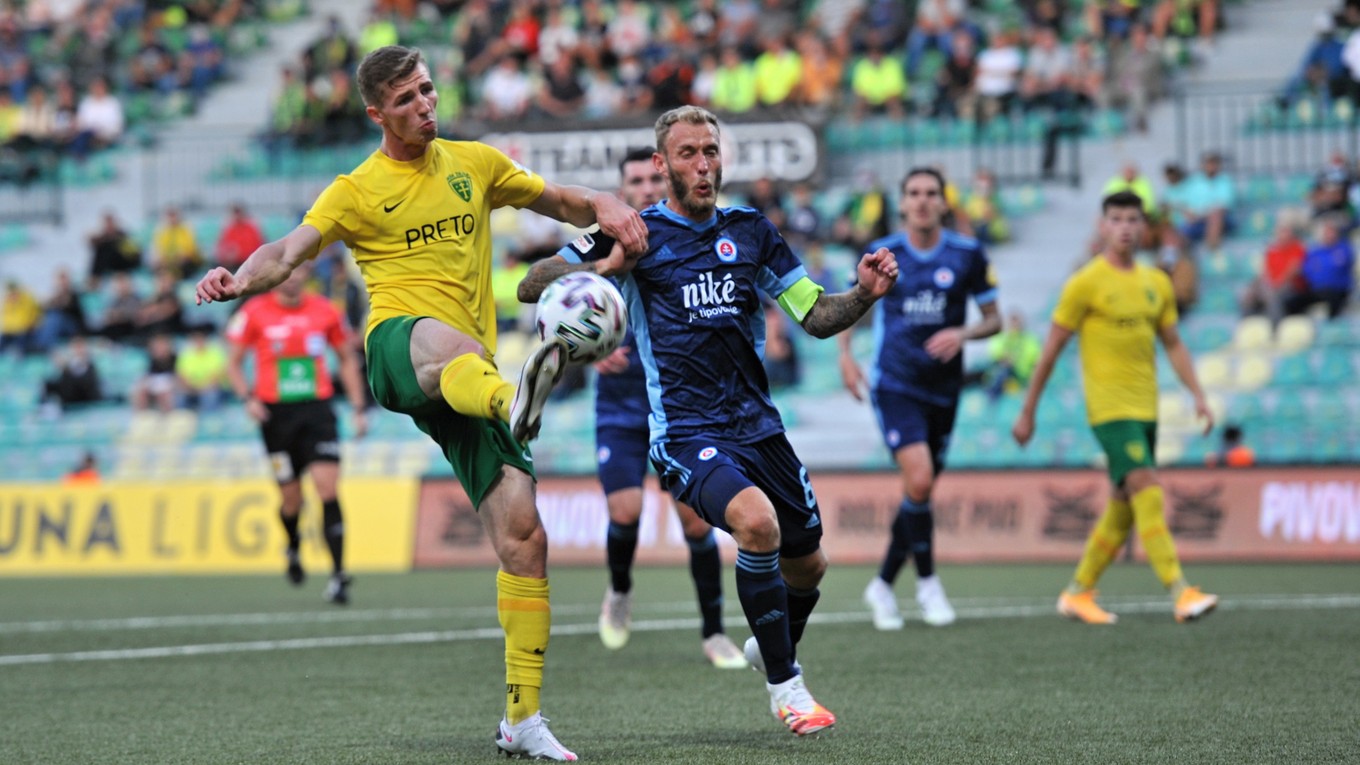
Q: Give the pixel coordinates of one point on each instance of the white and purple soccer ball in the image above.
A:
(586, 312)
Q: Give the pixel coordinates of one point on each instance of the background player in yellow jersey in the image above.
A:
(415, 214)
(1120, 308)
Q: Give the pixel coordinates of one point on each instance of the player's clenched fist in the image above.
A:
(217, 285)
(877, 272)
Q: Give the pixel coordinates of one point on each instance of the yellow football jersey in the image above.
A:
(1117, 313)
(421, 230)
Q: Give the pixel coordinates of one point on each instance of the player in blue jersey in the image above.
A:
(621, 444)
(694, 303)
(916, 376)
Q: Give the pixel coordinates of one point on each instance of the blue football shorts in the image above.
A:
(707, 474)
(904, 421)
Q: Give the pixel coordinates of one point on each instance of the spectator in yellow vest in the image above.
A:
(878, 82)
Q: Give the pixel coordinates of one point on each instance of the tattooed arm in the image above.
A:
(877, 273)
(596, 253)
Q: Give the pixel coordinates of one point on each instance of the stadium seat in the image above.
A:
(1214, 370)
(1252, 334)
(1294, 370)
(1252, 371)
(1294, 334)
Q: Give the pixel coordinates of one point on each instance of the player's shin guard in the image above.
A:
(921, 531)
(473, 387)
(1155, 536)
(620, 546)
(333, 528)
(899, 547)
(705, 566)
(522, 605)
(765, 601)
(801, 603)
(1104, 544)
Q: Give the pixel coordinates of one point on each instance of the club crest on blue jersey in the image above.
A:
(944, 278)
(708, 453)
(726, 249)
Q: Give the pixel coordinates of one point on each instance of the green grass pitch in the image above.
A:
(249, 670)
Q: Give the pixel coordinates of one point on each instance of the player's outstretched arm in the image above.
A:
(265, 269)
(1180, 359)
(236, 375)
(877, 273)
(583, 207)
(1023, 429)
(852, 376)
(548, 270)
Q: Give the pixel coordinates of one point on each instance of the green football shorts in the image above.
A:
(474, 446)
(1129, 445)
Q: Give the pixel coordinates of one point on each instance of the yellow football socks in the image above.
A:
(473, 387)
(1104, 544)
(1155, 536)
(522, 605)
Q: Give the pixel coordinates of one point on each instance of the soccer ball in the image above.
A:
(586, 312)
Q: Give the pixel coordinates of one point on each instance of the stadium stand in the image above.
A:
(1290, 386)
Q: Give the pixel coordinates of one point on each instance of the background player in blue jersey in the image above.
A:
(621, 442)
(916, 377)
(694, 302)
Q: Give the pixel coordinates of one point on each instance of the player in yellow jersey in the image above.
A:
(415, 214)
(1120, 308)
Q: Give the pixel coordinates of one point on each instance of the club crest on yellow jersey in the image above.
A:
(461, 183)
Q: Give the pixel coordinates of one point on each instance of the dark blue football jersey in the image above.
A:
(695, 306)
(620, 399)
(931, 293)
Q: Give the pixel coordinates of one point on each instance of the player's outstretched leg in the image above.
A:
(541, 372)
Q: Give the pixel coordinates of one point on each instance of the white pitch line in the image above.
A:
(1027, 608)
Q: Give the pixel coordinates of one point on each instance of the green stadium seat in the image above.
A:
(1337, 367)
(1294, 370)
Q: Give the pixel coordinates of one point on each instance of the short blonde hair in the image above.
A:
(692, 115)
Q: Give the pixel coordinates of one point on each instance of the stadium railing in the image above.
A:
(1260, 131)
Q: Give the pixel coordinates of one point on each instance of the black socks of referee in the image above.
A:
(333, 528)
(290, 527)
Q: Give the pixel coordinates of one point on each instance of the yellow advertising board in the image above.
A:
(182, 527)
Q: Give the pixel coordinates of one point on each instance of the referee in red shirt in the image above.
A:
(288, 330)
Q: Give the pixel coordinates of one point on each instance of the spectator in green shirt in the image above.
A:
(777, 72)
(878, 82)
(734, 84)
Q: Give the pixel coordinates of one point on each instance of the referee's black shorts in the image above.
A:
(298, 434)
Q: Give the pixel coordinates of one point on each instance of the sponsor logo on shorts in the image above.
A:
(1136, 451)
(602, 456)
(282, 466)
(707, 453)
(894, 437)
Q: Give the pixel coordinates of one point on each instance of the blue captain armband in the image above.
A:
(797, 300)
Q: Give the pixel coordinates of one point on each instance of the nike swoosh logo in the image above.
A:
(393, 207)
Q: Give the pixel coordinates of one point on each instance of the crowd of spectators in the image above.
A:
(505, 60)
(134, 297)
(74, 73)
